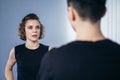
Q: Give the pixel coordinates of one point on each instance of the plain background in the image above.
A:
(53, 15)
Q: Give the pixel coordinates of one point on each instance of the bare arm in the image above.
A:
(9, 66)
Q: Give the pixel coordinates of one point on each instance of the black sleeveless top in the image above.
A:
(28, 61)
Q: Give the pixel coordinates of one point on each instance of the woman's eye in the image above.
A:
(30, 27)
(38, 27)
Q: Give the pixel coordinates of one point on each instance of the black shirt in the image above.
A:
(82, 60)
(28, 61)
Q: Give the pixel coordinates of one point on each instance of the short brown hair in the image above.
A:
(21, 29)
(89, 9)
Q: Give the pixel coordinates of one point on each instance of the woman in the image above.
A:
(28, 55)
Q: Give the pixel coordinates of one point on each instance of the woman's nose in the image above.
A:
(34, 30)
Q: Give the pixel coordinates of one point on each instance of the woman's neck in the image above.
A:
(32, 44)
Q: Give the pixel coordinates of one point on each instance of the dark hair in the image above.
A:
(21, 29)
(89, 9)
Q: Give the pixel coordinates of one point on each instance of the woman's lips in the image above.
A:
(34, 36)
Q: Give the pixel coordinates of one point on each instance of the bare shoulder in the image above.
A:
(12, 53)
(11, 59)
(50, 48)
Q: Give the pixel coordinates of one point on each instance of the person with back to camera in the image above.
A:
(28, 55)
(91, 56)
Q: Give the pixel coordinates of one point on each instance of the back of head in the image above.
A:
(91, 10)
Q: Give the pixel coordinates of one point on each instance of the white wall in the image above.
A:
(111, 21)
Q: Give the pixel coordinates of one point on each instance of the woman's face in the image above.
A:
(32, 30)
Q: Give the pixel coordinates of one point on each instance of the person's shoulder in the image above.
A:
(112, 43)
(112, 46)
(69, 46)
(43, 45)
(20, 45)
(62, 49)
